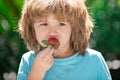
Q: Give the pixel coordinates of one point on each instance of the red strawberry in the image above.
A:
(52, 41)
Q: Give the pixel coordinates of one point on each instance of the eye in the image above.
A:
(61, 24)
(43, 24)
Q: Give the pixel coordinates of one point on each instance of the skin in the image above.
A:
(51, 27)
(45, 29)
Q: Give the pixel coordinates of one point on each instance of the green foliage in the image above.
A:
(107, 25)
(11, 45)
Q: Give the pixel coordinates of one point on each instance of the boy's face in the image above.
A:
(51, 27)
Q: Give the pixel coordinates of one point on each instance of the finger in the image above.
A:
(51, 60)
(44, 52)
(49, 54)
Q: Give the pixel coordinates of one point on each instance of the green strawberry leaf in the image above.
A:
(46, 42)
(56, 44)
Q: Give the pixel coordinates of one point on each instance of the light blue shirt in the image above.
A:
(91, 66)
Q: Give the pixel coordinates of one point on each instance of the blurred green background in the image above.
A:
(105, 37)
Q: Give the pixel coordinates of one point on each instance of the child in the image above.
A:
(68, 23)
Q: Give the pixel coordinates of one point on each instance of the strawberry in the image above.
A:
(52, 41)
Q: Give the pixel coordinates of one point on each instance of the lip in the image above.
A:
(52, 37)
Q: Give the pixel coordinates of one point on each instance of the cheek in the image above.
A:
(68, 34)
(66, 37)
(39, 35)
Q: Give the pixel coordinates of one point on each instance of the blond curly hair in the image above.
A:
(74, 11)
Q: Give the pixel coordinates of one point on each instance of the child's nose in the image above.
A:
(52, 30)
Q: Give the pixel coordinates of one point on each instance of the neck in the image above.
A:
(63, 54)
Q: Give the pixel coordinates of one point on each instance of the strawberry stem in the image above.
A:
(56, 44)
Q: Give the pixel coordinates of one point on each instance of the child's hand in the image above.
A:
(44, 58)
(43, 61)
